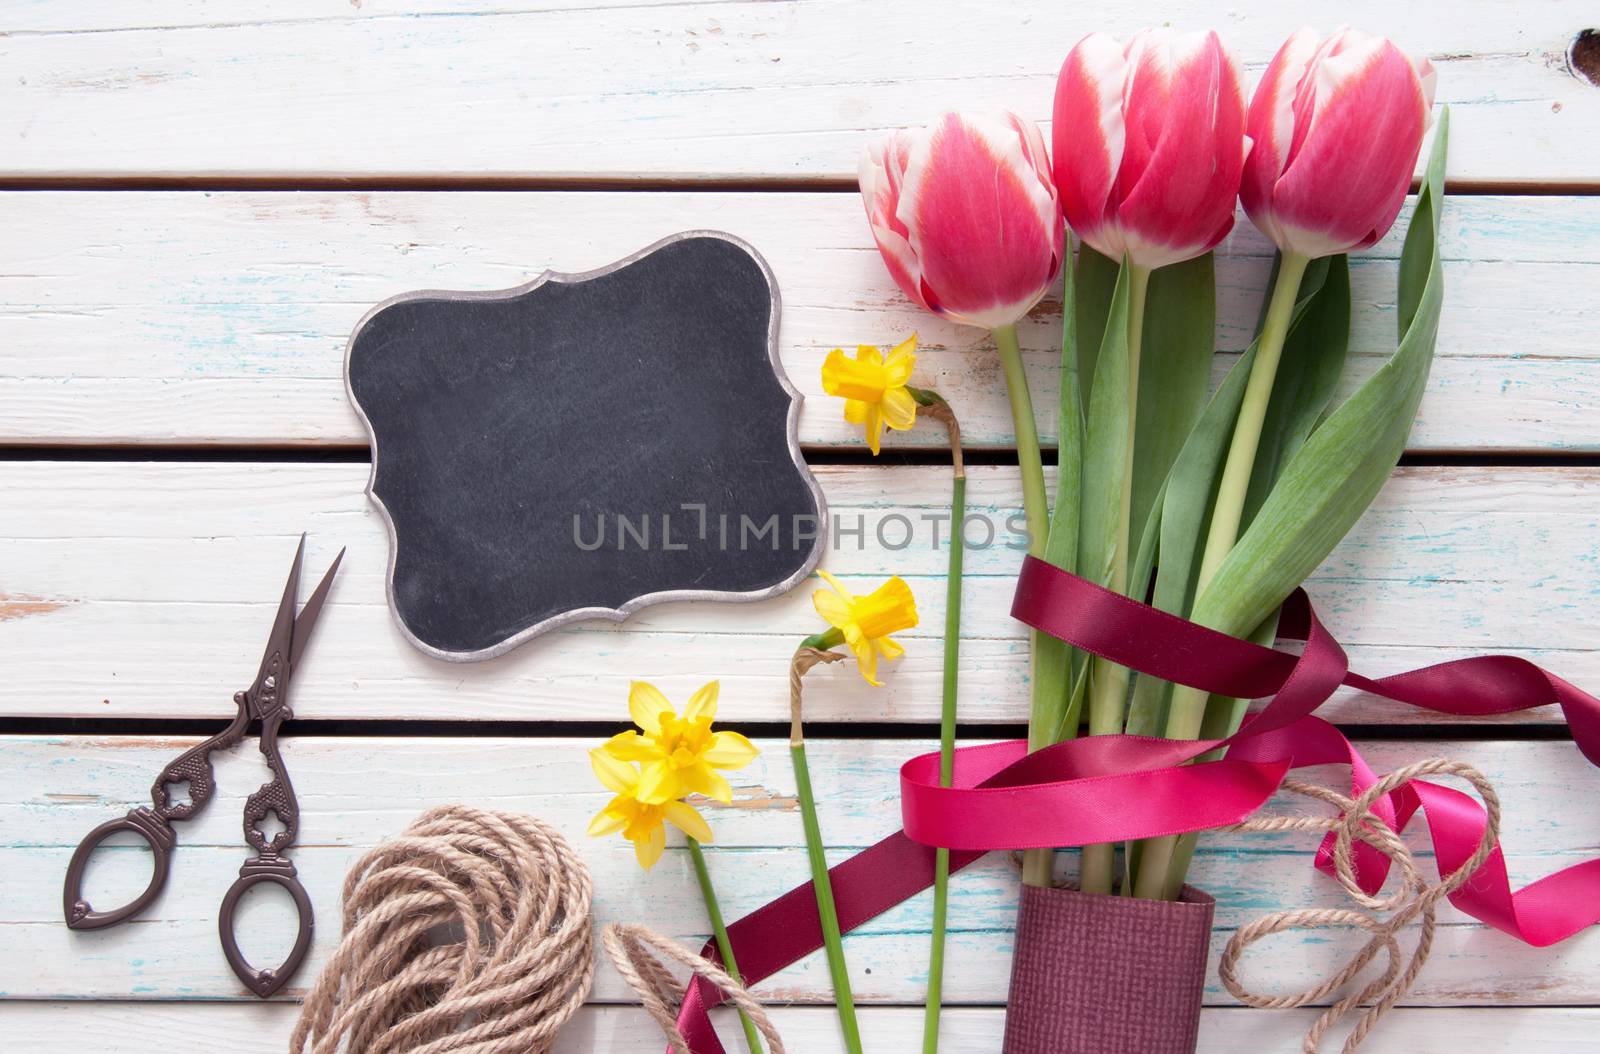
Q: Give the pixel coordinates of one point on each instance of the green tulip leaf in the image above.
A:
(1329, 482)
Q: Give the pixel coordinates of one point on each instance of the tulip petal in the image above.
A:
(1271, 124)
(984, 227)
(880, 193)
(730, 750)
(1181, 203)
(646, 705)
(1088, 138)
(1353, 162)
(688, 820)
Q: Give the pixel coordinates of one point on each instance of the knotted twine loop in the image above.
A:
(804, 659)
(1414, 898)
(469, 933)
(637, 951)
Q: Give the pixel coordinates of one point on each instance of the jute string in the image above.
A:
(637, 953)
(1414, 898)
(469, 933)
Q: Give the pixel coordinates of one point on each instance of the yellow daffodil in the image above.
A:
(640, 823)
(866, 622)
(874, 389)
(679, 755)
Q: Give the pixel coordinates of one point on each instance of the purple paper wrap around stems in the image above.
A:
(1094, 974)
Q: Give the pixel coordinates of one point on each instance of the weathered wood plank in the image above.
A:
(37, 1028)
(144, 590)
(222, 318)
(354, 792)
(676, 90)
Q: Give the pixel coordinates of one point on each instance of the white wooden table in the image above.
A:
(197, 204)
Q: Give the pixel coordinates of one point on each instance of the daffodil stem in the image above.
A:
(720, 931)
(1158, 875)
(832, 940)
(947, 754)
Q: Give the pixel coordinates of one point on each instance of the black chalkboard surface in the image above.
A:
(584, 445)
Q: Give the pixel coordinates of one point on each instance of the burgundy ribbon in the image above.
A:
(1118, 788)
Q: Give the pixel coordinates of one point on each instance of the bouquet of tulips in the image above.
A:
(1211, 505)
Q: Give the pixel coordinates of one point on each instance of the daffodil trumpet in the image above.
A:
(650, 769)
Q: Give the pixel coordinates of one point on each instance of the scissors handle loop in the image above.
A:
(147, 824)
(280, 872)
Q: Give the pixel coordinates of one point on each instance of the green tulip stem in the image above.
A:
(1188, 709)
(720, 931)
(947, 739)
(1037, 864)
(1108, 682)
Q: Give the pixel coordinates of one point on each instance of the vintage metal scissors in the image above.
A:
(265, 701)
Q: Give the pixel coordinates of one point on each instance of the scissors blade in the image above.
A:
(309, 613)
(283, 626)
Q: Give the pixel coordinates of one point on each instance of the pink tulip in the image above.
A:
(965, 216)
(1337, 128)
(1149, 144)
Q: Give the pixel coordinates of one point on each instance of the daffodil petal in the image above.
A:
(831, 607)
(658, 782)
(899, 409)
(606, 822)
(703, 703)
(869, 353)
(837, 586)
(688, 820)
(616, 776)
(874, 427)
(866, 659)
(702, 780)
(889, 648)
(631, 746)
(730, 750)
(647, 850)
(855, 411)
(645, 706)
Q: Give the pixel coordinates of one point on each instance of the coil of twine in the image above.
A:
(469, 933)
(1413, 899)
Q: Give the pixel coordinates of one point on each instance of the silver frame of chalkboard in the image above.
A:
(617, 614)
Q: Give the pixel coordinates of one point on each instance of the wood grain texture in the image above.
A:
(689, 90)
(145, 590)
(189, 318)
(355, 791)
(37, 1028)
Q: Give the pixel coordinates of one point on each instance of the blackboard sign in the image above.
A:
(584, 445)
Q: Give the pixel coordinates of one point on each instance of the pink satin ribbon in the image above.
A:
(1120, 788)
